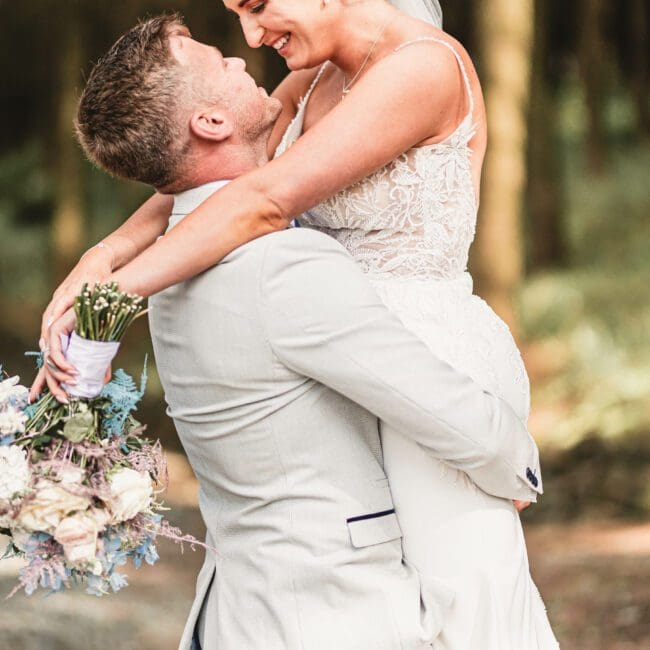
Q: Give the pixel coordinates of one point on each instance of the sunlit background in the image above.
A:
(562, 255)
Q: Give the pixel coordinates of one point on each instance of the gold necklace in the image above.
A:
(348, 86)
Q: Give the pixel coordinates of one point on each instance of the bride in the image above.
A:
(380, 145)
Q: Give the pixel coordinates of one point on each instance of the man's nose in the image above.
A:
(236, 63)
(253, 32)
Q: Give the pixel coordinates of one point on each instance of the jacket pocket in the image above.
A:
(373, 528)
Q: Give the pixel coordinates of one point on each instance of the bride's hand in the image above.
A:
(56, 370)
(95, 265)
(521, 505)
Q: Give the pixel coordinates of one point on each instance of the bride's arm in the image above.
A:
(402, 100)
(150, 220)
(137, 233)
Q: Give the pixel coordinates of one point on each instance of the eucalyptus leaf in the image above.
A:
(79, 426)
(43, 439)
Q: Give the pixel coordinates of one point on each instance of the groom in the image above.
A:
(277, 364)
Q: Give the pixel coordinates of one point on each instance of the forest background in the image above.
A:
(561, 254)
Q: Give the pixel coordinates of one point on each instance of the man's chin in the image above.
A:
(275, 109)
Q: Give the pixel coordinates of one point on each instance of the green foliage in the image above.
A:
(594, 317)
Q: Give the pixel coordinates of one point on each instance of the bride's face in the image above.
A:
(296, 29)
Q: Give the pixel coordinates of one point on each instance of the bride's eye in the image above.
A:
(258, 8)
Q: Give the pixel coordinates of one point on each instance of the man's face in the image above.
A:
(225, 81)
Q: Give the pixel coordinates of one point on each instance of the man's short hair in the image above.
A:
(128, 116)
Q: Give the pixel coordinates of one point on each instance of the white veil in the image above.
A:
(428, 10)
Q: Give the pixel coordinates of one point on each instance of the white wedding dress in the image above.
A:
(410, 226)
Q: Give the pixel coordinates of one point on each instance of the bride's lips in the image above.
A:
(281, 45)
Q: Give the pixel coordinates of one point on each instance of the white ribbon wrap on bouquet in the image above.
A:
(91, 359)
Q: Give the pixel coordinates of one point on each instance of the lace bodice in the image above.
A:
(415, 217)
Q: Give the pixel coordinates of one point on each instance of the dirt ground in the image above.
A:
(594, 577)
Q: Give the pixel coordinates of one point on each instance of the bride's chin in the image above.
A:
(301, 63)
(293, 64)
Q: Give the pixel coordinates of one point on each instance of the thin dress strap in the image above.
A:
(294, 130)
(458, 58)
(305, 98)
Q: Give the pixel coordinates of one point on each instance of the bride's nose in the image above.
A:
(253, 32)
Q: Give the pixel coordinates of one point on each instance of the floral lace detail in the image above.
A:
(461, 329)
(414, 218)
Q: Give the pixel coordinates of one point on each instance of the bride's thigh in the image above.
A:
(449, 525)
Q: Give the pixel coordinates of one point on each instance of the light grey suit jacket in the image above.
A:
(276, 365)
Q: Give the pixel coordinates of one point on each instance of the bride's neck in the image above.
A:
(362, 26)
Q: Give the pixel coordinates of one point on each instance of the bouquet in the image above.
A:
(79, 481)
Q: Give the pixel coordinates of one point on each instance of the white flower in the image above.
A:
(78, 536)
(97, 569)
(11, 391)
(20, 539)
(71, 475)
(101, 516)
(50, 505)
(131, 493)
(12, 421)
(14, 472)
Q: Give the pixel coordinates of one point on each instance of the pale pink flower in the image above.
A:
(131, 493)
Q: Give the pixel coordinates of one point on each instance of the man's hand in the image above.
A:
(95, 266)
(521, 505)
(56, 369)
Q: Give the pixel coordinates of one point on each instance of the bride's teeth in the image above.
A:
(280, 43)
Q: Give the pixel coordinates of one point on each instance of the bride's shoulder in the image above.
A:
(431, 45)
(436, 58)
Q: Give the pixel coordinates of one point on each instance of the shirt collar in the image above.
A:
(187, 201)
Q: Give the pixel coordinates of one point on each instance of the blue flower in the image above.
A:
(123, 396)
(118, 581)
(97, 586)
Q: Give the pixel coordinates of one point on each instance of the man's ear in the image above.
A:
(211, 124)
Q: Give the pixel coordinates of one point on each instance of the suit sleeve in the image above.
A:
(324, 321)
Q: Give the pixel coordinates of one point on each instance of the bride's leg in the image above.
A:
(473, 543)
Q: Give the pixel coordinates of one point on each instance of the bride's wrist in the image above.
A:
(105, 250)
(124, 250)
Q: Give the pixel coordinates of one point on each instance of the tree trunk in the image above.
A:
(67, 222)
(592, 60)
(641, 82)
(505, 31)
(545, 200)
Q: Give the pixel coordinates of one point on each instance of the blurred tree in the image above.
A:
(545, 191)
(640, 18)
(67, 220)
(592, 60)
(505, 30)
